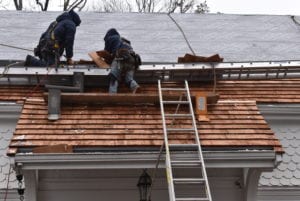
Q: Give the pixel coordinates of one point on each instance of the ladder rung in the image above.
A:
(176, 102)
(192, 199)
(178, 115)
(180, 129)
(173, 89)
(183, 163)
(188, 181)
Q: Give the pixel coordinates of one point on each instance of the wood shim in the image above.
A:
(98, 60)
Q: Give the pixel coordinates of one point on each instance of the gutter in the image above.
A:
(138, 160)
(10, 110)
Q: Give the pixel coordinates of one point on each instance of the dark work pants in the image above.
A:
(47, 60)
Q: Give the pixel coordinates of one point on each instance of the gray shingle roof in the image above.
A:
(288, 172)
(157, 38)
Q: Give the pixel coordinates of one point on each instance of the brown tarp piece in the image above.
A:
(188, 58)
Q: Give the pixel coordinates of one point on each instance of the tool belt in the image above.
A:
(129, 59)
(46, 46)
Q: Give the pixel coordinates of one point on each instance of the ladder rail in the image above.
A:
(171, 163)
(197, 139)
(168, 161)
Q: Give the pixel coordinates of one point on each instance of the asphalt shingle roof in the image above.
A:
(157, 38)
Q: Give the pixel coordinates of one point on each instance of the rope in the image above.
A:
(15, 47)
(6, 68)
(7, 185)
(155, 170)
(294, 20)
(182, 32)
(29, 94)
(44, 77)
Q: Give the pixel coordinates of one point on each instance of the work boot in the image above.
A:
(136, 89)
(32, 61)
(28, 60)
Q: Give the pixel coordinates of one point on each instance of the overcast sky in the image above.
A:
(277, 7)
(280, 7)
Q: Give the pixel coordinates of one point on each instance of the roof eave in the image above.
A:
(137, 160)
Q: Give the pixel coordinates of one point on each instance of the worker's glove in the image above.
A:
(70, 61)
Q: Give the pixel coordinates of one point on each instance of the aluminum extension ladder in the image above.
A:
(182, 181)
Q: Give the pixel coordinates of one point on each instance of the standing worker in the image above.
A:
(124, 63)
(59, 36)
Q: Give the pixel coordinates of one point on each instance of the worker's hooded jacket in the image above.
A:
(113, 42)
(65, 30)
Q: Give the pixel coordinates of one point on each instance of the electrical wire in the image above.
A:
(7, 185)
(295, 21)
(182, 32)
(155, 170)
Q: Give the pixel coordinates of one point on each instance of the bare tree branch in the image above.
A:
(18, 4)
(80, 4)
(3, 4)
(202, 8)
(83, 5)
(182, 5)
(149, 6)
(66, 4)
(44, 7)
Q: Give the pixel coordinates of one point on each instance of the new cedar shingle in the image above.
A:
(232, 124)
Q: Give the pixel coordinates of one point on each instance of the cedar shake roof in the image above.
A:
(235, 121)
(232, 124)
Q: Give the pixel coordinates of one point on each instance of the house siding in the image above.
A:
(283, 183)
(9, 113)
(109, 184)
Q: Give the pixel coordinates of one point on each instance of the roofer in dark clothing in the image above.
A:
(59, 37)
(124, 63)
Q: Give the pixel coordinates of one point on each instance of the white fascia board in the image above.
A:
(10, 110)
(125, 160)
(283, 112)
(279, 193)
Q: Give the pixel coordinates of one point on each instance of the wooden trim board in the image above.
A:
(98, 60)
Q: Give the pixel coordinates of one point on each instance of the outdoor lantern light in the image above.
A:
(144, 185)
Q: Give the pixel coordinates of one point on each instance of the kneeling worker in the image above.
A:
(59, 36)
